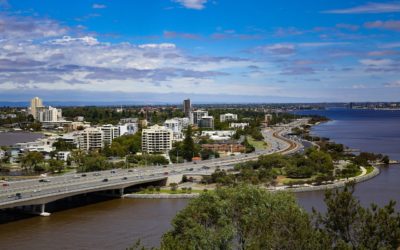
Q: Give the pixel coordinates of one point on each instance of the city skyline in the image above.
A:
(163, 51)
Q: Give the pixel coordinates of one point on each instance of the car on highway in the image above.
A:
(165, 173)
(5, 184)
(44, 180)
(130, 170)
(105, 180)
(83, 175)
(205, 167)
(164, 166)
(18, 195)
(96, 174)
(125, 178)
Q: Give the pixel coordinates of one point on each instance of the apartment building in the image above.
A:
(206, 122)
(228, 117)
(157, 139)
(91, 139)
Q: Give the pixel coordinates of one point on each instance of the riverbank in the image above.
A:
(338, 184)
(161, 196)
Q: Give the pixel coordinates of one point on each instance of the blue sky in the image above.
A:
(208, 50)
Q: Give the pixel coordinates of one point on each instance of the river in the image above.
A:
(10, 138)
(117, 224)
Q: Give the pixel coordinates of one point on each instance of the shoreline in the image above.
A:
(339, 184)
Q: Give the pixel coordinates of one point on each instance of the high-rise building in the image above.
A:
(36, 105)
(206, 122)
(49, 114)
(157, 139)
(91, 139)
(187, 107)
(197, 116)
(110, 132)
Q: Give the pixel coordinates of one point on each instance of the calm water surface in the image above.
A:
(116, 224)
(10, 138)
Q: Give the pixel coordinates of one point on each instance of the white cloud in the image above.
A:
(158, 46)
(395, 84)
(368, 8)
(88, 40)
(386, 25)
(98, 6)
(192, 4)
(376, 62)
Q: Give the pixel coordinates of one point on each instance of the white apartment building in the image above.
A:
(128, 120)
(218, 135)
(157, 139)
(128, 129)
(91, 139)
(110, 132)
(174, 125)
(177, 125)
(197, 115)
(49, 114)
(63, 155)
(206, 122)
(241, 125)
(44, 145)
(228, 117)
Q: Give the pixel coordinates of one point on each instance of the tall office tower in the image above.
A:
(36, 105)
(187, 107)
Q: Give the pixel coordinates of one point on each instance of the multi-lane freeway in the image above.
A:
(46, 189)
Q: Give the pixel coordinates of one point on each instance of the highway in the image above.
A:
(72, 183)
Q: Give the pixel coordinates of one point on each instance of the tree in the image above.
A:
(351, 226)
(249, 148)
(188, 147)
(31, 161)
(78, 156)
(55, 165)
(62, 145)
(244, 217)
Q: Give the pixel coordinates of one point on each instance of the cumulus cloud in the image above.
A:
(88, 40)
(386, 25)
(13, 27)
(373, 7)
(192, 4)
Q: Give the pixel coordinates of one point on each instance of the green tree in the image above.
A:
(55, 165)
(78, 157)
(351, 226)
(188, 147)
(62, 145)
(242, 218)
(32, 161)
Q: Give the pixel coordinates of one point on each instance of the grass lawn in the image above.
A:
(369, 169)
(259, 145)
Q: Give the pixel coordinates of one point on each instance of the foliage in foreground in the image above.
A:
(247, 217)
